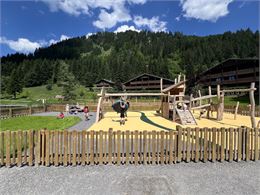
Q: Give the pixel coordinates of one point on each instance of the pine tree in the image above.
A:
(14, 85)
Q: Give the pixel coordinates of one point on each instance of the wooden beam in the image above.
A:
(199, 97)
(252, 103)
(220, 107)
(132, 94)
(238, 90)
(180, 95)
(98, 109)
(161, 84)
(199, 107)
(218, 92)
(209, 101)
(236, 109)
(203, 97)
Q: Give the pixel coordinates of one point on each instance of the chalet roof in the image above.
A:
(106, 81)
(173, 86)
(231, 61)
(150, 75)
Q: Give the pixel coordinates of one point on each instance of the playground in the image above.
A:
(177, 108)
(150, 120)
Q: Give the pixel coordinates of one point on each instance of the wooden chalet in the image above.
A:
(104, 83)
(232, 73)
(147, 82)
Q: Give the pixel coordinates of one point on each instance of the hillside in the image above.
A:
(123, 55)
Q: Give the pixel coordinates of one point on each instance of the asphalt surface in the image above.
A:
(183, 178)
(82, 125)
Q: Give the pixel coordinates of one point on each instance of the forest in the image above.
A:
(121, 56)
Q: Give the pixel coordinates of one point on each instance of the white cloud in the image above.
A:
(111, 11)
(75, 7)
(64, 37)
(124, 28)
(24, 45)
(178, 18)
(210, 10)
(89, 34)
(21, 45)
(154, 24)
(109, 20)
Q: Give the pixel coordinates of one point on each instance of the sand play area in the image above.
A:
(150, 120)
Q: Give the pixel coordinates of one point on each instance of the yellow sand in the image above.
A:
(150, 120)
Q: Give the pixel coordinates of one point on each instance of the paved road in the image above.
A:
(184, 178)
(82, 125)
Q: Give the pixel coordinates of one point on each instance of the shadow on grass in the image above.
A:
(147, 120)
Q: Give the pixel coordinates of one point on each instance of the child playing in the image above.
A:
(86, 112)
(60, 116)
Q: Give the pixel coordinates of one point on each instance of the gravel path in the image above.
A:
(82, 125)
(184, 178)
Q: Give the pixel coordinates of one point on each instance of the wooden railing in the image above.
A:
(63, 148)
(23, 111)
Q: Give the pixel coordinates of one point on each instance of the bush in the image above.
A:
(81, 93)
(49, 87)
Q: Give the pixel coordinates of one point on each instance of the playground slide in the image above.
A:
(186, 117)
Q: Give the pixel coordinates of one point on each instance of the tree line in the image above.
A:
(121, 56)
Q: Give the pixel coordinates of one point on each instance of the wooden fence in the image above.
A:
(242, 110)
(63, 148)
(23, 111)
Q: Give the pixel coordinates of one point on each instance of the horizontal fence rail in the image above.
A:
(64, 148)
(107, 106)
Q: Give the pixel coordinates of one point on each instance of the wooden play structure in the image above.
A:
(179, 108)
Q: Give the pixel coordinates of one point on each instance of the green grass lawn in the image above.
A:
(38, 123)
(33, 96)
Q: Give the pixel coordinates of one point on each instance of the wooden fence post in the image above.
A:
(197, 130)
(127, 144)
(38, 148)
(13, 147)
(171, 147)
(222, 152)
(25, 147)
(83, 147)
(205, 145)
(136, 148)
(92, 141)
(256, 143)
(30, 148)
(56, 156)
(74, 148)
(231, 131)
(247, 144)
(19, 148)
(10, 112)
(179, 144)
(239, 145)
(118, 148)
(2, 149)
(110, 136)
(30, 110)
(47, 148)
(65, 148)
(162, 147)
(214, 143)
(8, 150)
(145, 148)
(153, 146)
(188, 145)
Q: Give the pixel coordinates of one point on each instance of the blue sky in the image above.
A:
(27, 25)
